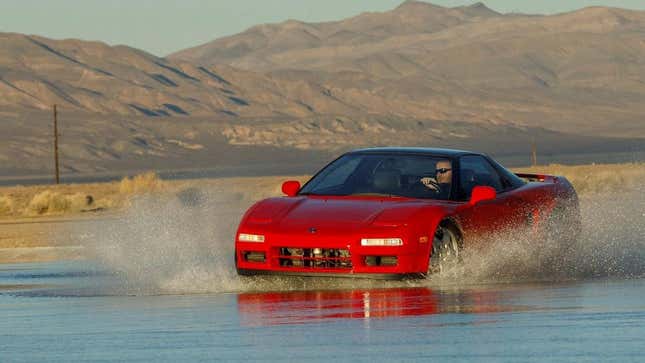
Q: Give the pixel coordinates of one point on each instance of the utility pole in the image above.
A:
(533, 153)
(56, 144)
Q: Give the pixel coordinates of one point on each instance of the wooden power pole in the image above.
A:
(56, 145)
(533, 153)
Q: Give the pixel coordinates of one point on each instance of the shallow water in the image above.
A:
(160, 285)
(76, 312)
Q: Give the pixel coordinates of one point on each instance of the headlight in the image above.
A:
(250, 237)
(381, 242)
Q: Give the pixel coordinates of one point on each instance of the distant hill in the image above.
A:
(419, 74)
(575, 72)
(270, 46)
(93, 77)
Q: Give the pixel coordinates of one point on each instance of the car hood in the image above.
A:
(334, 213)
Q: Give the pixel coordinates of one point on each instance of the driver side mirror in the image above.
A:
(291, 188)
(481, 193)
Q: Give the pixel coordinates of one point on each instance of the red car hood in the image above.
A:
(334, 213)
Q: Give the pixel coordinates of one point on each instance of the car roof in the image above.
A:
(414, 150)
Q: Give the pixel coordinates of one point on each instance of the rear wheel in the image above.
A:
(446, 248)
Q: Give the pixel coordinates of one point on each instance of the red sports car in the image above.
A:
(398, 211)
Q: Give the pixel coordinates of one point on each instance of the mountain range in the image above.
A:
(580, 72)
(417, 74)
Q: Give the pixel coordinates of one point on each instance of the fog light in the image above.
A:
(381, 260)
(254, 257)
(389, 260)
(371, 261)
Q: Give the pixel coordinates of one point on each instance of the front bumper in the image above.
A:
(371, 261)
(371, 276)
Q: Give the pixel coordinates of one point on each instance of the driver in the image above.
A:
(442, 181)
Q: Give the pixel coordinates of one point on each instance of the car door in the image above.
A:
(490, 217)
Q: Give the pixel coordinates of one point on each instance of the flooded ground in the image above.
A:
(72, 311)
(159, 285)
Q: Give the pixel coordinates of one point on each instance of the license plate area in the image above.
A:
(314, 258)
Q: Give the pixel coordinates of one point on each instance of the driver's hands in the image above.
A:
(430, 183)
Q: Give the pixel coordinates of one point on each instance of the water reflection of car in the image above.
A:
(302, 307)
(399, 211)
(259, 308)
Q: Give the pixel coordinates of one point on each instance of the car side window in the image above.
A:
(474, 170)
(339, 175)
(510, 180)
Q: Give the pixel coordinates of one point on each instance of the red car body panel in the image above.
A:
(340, 222)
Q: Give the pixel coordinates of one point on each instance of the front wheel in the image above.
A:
(446, 248)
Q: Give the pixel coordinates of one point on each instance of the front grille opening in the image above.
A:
(315, 258)
(381, 260)
(259, 257)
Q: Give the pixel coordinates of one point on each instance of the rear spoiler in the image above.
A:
(542, 178)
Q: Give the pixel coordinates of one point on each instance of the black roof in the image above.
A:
(415, 150)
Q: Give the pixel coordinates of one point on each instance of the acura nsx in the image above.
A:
(384, 212)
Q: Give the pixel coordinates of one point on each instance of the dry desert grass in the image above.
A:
(69, 199)
(142, 183)
(37, 223)
(596, 178)
(75, 199)
(56, 200)
(6, 205)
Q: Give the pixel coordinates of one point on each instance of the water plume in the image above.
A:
(611, 245)
(183, 243)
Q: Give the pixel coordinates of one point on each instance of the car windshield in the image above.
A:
(412, 176)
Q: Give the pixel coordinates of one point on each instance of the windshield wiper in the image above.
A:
(324, 194)
(377, 195)
(353, 195)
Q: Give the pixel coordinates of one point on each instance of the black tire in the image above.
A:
(447, 246)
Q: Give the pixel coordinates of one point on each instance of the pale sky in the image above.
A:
(164, 26)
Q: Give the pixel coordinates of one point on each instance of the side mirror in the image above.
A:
(481, 193)
(291, 187)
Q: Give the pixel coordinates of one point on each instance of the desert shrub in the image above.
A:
(598, 178)
(79, 201)
(142, 183)
(50, 202)
(6, 205)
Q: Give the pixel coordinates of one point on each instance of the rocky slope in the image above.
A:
(419, 74)
(93, 77)
(581, 71)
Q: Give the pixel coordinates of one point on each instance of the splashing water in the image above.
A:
(611, 245)
(184, 244)
(174, 244)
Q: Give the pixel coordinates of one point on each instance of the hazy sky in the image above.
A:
(164, 26)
